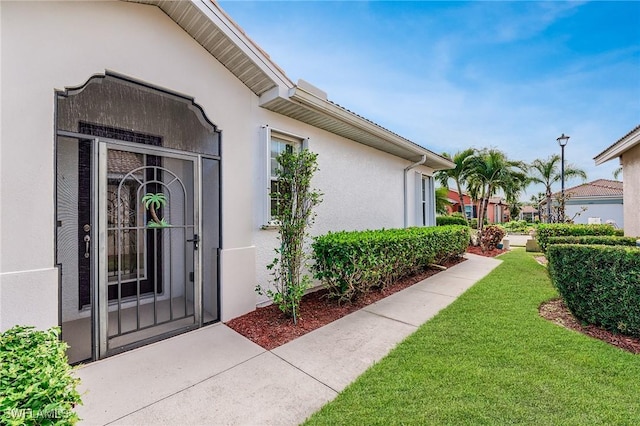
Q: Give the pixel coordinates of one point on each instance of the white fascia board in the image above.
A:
(219, 18)
(273, 94)
(310, 100)
(596, 198)
(619, 148)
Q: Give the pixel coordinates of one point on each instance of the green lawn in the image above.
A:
(490, 359)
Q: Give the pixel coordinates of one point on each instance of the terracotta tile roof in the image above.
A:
(529, 209)
(597, 188)
(122, 162)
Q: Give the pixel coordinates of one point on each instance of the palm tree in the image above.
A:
(458, 173)
(617, 173)
(547, 172)
(442, 200)
(536, 201)
(490, 171)
(514, 209)
(153, 202)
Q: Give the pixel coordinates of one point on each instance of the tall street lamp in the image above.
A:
(562, 141)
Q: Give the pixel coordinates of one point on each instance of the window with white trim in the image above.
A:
(277, 142)
(425, 200)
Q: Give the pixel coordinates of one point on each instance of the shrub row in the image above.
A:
(516, 226)
(599, 284)
(607, 240)
(451, 220)
(352, 263)
(547, 230)
(36, 385)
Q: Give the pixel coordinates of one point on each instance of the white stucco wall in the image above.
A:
(631, 187)
(362, 187)
(612, 211)
(53, 45)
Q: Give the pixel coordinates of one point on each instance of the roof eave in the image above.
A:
(345, 123)
(627, 142)
(214, 30)
(217, 33)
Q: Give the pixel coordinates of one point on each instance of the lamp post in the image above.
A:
(562, 141)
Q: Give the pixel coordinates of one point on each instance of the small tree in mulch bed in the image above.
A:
(296, 200)
(490, 237)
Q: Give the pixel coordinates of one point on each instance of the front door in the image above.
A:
(138, 215)
(128, 244)
(148, 263)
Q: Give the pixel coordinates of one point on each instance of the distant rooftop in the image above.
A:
(597, 188)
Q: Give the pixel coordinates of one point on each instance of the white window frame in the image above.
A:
(425, 200)
(268, 135)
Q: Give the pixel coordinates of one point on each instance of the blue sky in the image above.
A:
(450, 75)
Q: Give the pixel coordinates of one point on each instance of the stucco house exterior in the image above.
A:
(627, 149)
(528, 213)
(497, 210)
(138, 144)
(596, 202)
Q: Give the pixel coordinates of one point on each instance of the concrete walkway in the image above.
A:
(216, 376)
(517, 240)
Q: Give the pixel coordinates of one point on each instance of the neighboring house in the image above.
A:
(627, 149)
(138, 149)
(497, 211)
(595, 202)
(456, 207)
(528, 213)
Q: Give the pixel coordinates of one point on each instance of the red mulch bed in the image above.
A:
(269, 328)
(556, 311)
(489, 253)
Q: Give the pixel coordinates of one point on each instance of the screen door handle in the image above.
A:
(195, 241)
(87, 240)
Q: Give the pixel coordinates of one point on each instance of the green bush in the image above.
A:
(474, 222)
(607, 240)
(516, 226)
(353, 263)
(36, 384)
(491, 237)
(544, 231)
(599, 284)
(450, 220)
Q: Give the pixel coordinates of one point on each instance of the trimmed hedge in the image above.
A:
(607, 240)
(547, 230)
(451, 220)
(599, 284)
(36, 384)
(353, 263)
(517, 226)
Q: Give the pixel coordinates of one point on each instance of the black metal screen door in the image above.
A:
(149, 215)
